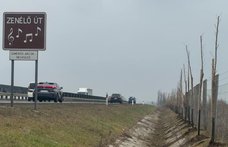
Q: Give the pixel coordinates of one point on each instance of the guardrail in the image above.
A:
(20, 93)
(66, 96)
(16, 89)
(75, 95)
(17, 96)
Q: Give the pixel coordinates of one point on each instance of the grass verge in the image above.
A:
(67, 125)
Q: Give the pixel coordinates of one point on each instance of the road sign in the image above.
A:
(23, 55)
(24, 31)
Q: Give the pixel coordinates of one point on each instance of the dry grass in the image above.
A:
(66, 125)
(172, 131)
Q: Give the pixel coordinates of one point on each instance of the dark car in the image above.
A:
(116, 98)
(109, 98)
(132, 99)
(49, 91)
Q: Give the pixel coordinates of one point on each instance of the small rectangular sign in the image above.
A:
(23, 55)
(24, 31)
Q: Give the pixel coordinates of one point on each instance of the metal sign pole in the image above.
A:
(12, 81)
(36, 75)
(30, 34)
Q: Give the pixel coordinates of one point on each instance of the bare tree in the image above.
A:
(179, 94)
(214, 65)
(188, 93)
(182, 96)
(200, 86)
(190, 69)
(158, 101)
(186, 97)
(178, 98)
(216, 42)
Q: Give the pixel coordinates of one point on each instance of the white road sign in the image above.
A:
(23, 55)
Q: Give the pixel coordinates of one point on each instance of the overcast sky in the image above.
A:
(132, 47)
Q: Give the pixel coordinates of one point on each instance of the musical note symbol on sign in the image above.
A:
(38, 29)
(10, 37)
(19, 30)
(26, 37)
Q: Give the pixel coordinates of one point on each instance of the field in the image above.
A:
(67, 125)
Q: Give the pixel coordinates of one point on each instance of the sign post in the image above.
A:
(36, 78)
(106, 98)
(12, 82)
(24, 34)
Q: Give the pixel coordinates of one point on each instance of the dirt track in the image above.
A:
(163, 128)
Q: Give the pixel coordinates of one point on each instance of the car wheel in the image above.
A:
(56, 100)
(61, 100)
(40, 100)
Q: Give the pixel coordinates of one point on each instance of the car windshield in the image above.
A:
(115, 95)
(32, 86)
(46, 83)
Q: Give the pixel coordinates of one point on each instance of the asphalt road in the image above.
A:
(26, 102)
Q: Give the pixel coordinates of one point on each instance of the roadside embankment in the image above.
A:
(164, 128)
(140, 134)
(67, 125)
(172, 131)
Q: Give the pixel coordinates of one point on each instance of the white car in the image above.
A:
(31, 89)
